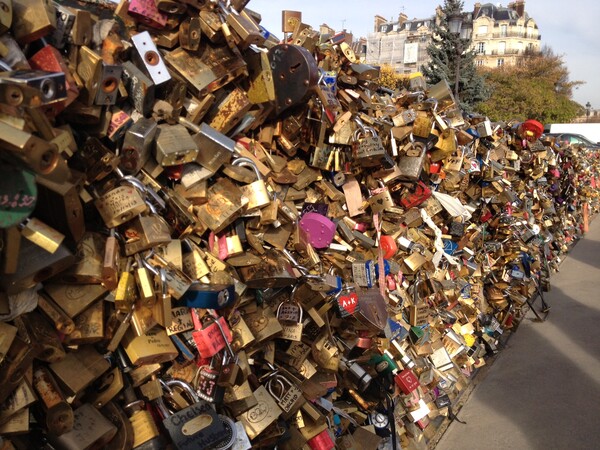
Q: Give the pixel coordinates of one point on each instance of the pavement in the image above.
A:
(543, 390)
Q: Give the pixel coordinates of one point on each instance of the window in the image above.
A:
(500, 62)
(501, 48)
(479, 62)
(481, 48)
(483, 29)
(503, 29)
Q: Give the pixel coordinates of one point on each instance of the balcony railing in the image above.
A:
(508, 51)
(509, 34)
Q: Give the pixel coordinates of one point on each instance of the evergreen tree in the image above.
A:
(449, 53)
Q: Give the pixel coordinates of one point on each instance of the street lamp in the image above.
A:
(588, 109)
(455, 23)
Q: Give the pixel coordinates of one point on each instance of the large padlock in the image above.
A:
(295, 74)
(195, 426)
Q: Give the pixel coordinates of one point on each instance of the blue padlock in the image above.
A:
(209, 296)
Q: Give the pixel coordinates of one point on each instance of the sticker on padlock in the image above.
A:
(347, 302)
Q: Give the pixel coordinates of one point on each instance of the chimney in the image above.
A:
(401, 19)
(476, 9)
(379, 20)
(520, 7)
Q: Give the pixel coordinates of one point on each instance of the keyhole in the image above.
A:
(295, 67)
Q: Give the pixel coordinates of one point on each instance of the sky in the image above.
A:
(571, 29)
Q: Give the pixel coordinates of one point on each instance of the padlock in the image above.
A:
(292, 65)
(419, 310)
(419, 194)
(211, 335)
(358, 375)
(120, 204)
(368, 149)
(347, 302)
(195, 426)
(209, 296)
(290, 313)
(209, 68)
(189, 33)
(380, 199)
(90, 429)
(230, 373)
(258, 418)
(288, 396)
(59, 415)
(319, 229)
(256, 192)
(174, 145)
(410, 165)
(147, 56)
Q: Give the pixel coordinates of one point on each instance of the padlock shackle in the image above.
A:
(215, 320)
(185, 386)
(247, 162)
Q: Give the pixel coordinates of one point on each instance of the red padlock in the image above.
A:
(388, 246)
(419, 195)
(210, 337)
(50, 59)
(407, 381)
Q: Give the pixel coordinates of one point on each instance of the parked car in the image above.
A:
(574, 139)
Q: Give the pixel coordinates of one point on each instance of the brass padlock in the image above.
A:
(290, 313)
(121, 204)
(256, 192)
(174, 145)
(410, 165)
(368, 149)
(288, 396)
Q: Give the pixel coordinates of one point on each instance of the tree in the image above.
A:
(450, 55)
(389, 78)
(537, 87)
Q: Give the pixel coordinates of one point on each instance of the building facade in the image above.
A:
(401, 44)
(500, 35)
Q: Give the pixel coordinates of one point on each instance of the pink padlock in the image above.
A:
(146, 12)
(321, 441)
(318, 229)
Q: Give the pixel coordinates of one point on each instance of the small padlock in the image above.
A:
(289, 314)
(230, 373)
